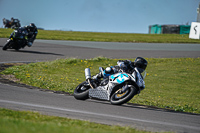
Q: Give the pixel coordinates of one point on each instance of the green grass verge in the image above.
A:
(33, 122)
(107, 37)
(170, 83)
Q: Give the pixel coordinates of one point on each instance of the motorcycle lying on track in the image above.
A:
(118, 88)
(17, 39)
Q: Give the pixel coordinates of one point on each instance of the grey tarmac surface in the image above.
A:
(148, 118)
(43, 50)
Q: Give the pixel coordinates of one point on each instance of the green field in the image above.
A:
(171, 83)
(32, 122)
(107, 37)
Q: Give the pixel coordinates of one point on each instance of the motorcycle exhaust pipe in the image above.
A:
(87, 73)
(88, 76)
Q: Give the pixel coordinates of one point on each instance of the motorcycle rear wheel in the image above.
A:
(118, 98)
(81, 92)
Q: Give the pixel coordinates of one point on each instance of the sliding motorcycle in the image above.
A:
(118, 88)
(17, 39)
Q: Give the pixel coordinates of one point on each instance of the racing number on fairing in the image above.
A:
(120, 78)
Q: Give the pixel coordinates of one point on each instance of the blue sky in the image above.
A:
(123, 16)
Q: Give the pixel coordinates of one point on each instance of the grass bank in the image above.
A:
(107, 37)
(32, 122)
(171, 83)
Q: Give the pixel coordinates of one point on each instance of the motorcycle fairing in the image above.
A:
(21, 33)
(100, 93)
(119, 77)
(140, 81)
(103, 92)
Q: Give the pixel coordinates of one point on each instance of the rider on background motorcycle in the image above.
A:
(125, 66)
(32, 33)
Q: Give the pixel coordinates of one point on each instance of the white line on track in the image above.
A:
(98, 114)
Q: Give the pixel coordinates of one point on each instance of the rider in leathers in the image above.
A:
(125, 66)
(32, 33)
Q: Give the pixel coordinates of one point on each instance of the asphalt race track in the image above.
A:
(43, 50)
(46, 102)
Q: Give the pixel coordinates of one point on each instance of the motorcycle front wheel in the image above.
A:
(81, 92)
(7, 45)
(118, 97)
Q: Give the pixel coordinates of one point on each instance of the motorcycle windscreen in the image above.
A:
(143, 74)
(20, 33)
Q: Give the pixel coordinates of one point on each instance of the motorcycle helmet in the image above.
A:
(32, 27)
(140, 63)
